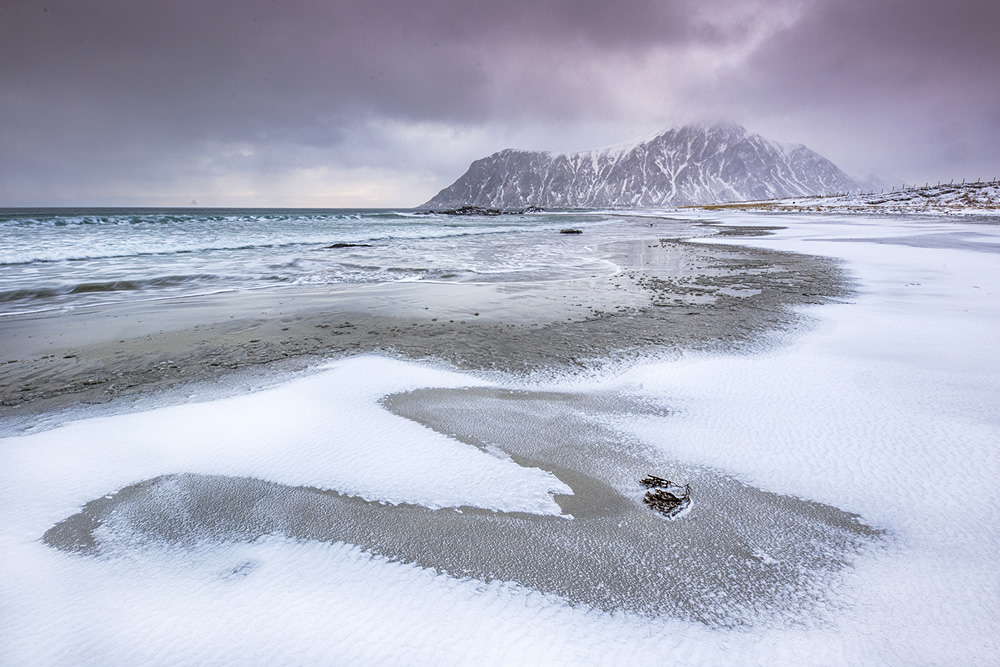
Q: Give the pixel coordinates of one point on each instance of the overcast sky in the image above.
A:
(385, 102)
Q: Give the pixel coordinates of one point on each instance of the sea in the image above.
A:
(53, 259)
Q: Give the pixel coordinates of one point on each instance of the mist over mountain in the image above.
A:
(693, 164)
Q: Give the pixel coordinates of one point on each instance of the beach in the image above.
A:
(663, 294)
(448, 470)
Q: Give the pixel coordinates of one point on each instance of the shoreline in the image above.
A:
(971, 202)
(744, 557)
(669, 294)
(371, 494)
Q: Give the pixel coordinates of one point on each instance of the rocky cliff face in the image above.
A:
(695, 164)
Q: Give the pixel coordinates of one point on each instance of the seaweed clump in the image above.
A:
(665, 497)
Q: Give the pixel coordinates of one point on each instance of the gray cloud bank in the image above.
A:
(382, 103)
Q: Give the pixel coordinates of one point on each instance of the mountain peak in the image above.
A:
(717, 126)
(699, 163)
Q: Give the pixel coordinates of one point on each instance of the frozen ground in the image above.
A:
(885, 409)
(980, 198)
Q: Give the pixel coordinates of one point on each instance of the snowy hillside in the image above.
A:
(980, 198)
(695, 164)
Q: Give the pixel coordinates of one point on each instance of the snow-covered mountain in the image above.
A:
(694, 164)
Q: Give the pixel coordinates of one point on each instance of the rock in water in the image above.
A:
(482, 211)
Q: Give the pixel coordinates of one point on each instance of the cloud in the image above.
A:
(109, 97)
(909, 86)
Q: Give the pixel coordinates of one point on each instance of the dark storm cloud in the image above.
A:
(245, 65)
(105, 88)
(115, 94)
(889, 44)
(913, 85)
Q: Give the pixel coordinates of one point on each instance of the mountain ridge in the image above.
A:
(681, 166)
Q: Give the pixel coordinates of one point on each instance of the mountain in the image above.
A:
(694, 164)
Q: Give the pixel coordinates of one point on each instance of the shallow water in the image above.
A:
(66, 258)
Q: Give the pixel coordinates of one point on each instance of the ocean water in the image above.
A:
(68, 258)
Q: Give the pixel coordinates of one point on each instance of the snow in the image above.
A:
(885, 407)
(325, 430)
(959, 199)
(877, 378)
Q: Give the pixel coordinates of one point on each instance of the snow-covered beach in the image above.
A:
(843, 467)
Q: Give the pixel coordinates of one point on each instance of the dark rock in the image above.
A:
(464, 210)
(481, 210)
(571, 231)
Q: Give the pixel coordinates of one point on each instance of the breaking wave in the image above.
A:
(160, 282)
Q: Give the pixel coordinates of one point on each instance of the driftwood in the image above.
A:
(665, 497)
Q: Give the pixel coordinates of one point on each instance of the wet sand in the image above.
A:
(740, 556)
(670, 294)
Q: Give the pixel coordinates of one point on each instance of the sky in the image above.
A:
(381, 103)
